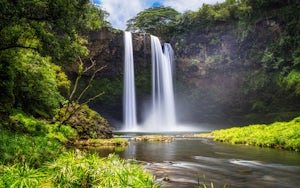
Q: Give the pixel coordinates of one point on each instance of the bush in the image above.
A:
(87, 122)
(63, 133)
(23, 123)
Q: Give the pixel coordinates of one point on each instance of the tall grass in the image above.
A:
(285, 135)
(21, 148)
(76, 169)
(40, 161)
(21, 175)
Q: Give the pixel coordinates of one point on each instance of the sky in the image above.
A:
(122, 10)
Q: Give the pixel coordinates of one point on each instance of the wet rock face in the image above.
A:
(107, 49)
(211, 68)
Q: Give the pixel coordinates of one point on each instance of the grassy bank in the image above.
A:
(283, 135)
(41, 161)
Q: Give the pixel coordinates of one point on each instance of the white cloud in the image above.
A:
(185, 5)
(122, 10)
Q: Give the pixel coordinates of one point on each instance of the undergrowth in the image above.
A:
(284, 135)
(32, 154)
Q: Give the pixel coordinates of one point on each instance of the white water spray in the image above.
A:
(162, 116)
(129, 100)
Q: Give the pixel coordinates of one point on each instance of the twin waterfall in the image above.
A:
(162, 113)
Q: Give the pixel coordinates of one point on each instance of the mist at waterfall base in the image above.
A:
(160, 115)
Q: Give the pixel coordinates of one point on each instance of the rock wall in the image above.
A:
(215, 72)
(221, 76)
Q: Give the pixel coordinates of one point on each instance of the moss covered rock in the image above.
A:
(90, 124)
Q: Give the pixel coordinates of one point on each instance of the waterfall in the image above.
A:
(162, 117)
(129, 101)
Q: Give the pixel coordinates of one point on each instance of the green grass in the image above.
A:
(33, 160)
(24, 148)
(76, 169)
(284, 135)
(102, 142)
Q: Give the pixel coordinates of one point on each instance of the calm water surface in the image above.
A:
(188, 162)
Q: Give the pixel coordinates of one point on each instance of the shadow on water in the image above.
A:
(188, 162)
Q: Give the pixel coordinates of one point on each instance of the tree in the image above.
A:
(36, 36)
(56, 26)
(73, 104)
(153, 20)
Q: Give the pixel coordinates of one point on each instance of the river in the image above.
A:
(188, 162)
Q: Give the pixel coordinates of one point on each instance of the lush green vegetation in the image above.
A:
(155, 20)
(76, 169)
(40, 108)
(283, 135)
(24, 148)
(40, 112)
(37, 38)
(38, 159)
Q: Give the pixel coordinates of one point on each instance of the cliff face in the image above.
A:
(224, 76)
(220, 73)
(107, 49)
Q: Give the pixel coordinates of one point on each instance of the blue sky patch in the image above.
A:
(157, 4)
(97, 2)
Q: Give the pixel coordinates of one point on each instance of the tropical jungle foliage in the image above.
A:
(39, 38)
(155, 20)
(32, 154)
(39, 161)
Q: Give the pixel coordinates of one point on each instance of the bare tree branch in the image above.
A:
(73, 105)
(90, 82)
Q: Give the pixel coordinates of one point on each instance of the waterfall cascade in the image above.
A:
(162, 114)
(129, 100)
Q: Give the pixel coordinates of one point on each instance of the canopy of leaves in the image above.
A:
(153, 20)
(52, 28)
(35, 35)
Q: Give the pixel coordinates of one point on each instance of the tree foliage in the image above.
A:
(153, 20)
(37, 37)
